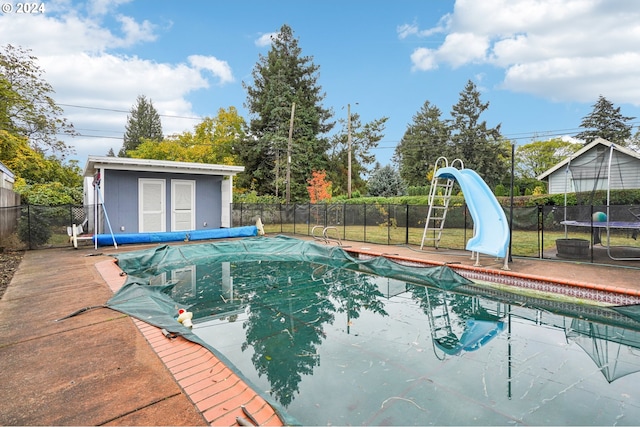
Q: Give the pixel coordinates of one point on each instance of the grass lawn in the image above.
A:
(525, 243)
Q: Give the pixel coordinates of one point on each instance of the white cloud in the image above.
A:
(424, 59)
(135, 32)
(407, 30)
(462, 48)
(265, 39)
(220, 69)
(102, 7)
(570, 50)
(98, 86)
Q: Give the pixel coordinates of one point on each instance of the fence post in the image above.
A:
(364, 218)
(344, 221)
(464, 207)
(388, 224)
(540, 231)
(29, 224)
(325, 214)
(406, 224)
(592, 234)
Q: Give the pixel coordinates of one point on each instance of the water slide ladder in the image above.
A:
(440, 323)
(439, 197)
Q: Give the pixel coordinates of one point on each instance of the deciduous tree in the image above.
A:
(536, 157)
(34, 168)
(27, 107)
(214, 140)
(319, 188)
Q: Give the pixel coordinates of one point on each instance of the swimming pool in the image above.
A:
(333, 343)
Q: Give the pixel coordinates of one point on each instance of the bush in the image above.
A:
(34, 226)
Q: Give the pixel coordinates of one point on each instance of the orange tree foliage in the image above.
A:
(319, 188)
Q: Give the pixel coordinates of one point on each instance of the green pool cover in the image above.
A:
(153, 304)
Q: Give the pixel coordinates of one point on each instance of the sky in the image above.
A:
(541, 64)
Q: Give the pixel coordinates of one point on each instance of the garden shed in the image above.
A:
(150, 196)
(587, 169)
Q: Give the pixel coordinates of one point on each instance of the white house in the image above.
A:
(588, 169)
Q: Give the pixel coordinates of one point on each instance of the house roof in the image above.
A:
(6, 176)
(95, 163)
(6, 171)
(597, 141)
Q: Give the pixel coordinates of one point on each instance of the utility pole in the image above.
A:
(293, 110)
(349, 151)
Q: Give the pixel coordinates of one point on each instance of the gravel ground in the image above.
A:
(9, 262)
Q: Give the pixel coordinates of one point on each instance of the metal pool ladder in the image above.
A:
(324, 237)
(438, 211)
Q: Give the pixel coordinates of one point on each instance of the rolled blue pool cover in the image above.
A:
(176, 236)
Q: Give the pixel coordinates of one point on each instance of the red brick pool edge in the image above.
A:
(216, 391)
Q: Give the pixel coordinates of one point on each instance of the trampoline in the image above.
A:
(591, 175)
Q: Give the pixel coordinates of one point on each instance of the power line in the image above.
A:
(515, 136)
(113, 110)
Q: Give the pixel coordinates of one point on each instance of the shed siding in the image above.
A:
(121, 198)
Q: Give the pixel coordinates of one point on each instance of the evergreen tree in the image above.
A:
(386, 182)
(426, 139)
(479, 146)
(606, 121)
(27, 108)
(281, 79)
(142, 123)
(364, 138)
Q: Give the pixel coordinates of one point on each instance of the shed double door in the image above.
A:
(153, 209)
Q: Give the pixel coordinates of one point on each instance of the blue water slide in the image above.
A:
(491, 235)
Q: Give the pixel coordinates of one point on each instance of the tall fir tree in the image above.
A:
(424, 141)
(143, 123)
(281, 79)
(606, 121)
(479, 146)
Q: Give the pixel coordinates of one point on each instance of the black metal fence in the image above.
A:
(534, 229)
(34, 227)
